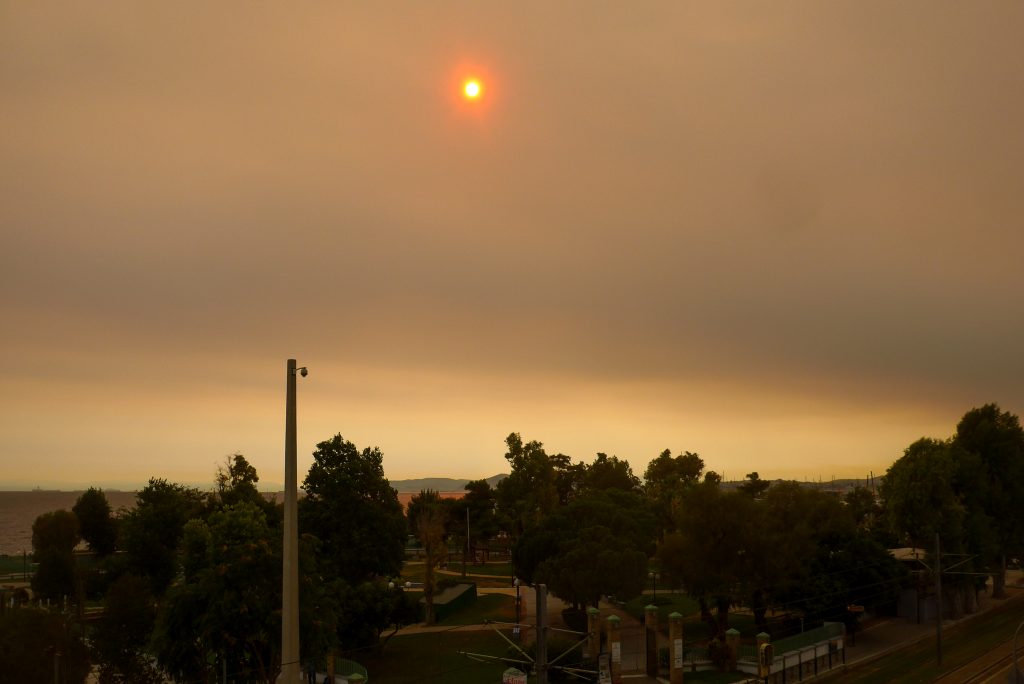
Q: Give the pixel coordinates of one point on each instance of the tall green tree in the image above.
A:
(354, 511)
(236, 481)
(225, 608)
(666, 480)
(120, 636)
(935, 489)
(54, 537)
(530, 492)
(609, 472)
(997, 439)
(35, 643)
(427, 518)
(152, 531)
(709, 553)
(596, 545)
(754, 486)
(96, 521)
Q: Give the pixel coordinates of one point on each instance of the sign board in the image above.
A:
(616, 652)
(677, 654)
(604, 669)
(513, 676)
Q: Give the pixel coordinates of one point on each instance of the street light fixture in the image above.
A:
(654, 586)
(291, 672)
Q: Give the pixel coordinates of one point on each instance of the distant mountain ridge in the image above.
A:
(440, 484)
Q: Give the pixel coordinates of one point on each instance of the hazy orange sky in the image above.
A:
(787, 236)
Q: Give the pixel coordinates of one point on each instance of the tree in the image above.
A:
(30, 641)
(596, 545)
(226, 606)
(95, 521)
(997, 439)
(54, 537)
(861, 503)
(530, 491)
(152, 531)
(235, 482)
(611, 473)
(122, 632)
(936, 488)
(709, 554)
(353, 510)
(920, 499)
(427, 519)
(667, 478)
(479, 503)
(754, 486)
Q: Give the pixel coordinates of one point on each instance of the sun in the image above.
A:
(472, 89)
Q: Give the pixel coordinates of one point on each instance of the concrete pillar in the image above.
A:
(675, 648)
(594, 633)
(651, 639)
(732, 640)
(615, 647)
(765, 656)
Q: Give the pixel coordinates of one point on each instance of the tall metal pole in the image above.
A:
(938, 600)
(290, 669)
(466, 551)
(1016, 669)
(542, 634)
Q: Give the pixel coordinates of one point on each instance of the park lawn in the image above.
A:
(413, 571)
(434, 657)
(11, 564)
(495, 607)
(961, 644)
(502, 570)
(667, 603)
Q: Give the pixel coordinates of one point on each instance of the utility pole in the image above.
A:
(542, 634)
(290, 668)
(938, 600)
(466, 552)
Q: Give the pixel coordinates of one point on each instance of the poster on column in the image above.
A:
(677, 654)
(616, 652)
(604, 669)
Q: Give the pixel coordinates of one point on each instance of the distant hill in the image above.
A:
(439, 484)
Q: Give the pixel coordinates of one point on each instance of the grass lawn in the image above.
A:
(9, 564)
(496, 569)
(434, 657)
(960, 645)
(667, 603)
(496, 607)
(413, 571)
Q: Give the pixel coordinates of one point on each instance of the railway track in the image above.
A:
(982, 669)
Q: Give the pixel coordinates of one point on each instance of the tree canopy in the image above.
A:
(353, 510)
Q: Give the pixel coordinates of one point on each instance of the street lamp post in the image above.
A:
(291, 672)
(515, 629)
(654, 586)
